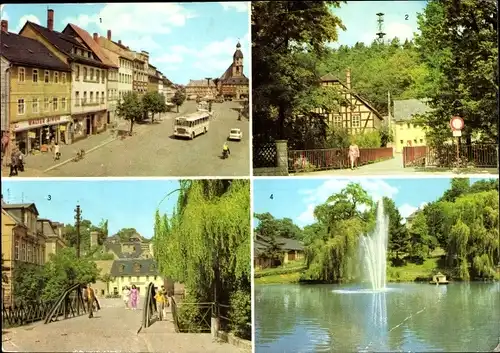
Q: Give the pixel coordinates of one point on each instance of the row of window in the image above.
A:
(28, 252)
(355, 120)
(127, 64)
(140, 77)
(35, 105)
(124, 78)
(90, 74)
(98, 99)
(35, 76)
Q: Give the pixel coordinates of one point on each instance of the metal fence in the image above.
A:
(265, 155)
(448, 156)
(18, 315)
(333, 158)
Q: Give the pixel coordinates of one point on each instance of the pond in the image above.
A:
(406, 317)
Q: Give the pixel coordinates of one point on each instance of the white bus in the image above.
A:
(191, 125)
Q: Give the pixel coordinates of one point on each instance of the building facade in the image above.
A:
(22, 242)
(89, 68)
(200, 89)
(153, 78)
(54, 236)
(122, 57)
(39, 94)
(140, 79)
(354, 113)
(233, 84)
(405, 131)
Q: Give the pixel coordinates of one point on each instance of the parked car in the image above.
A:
(235, 134)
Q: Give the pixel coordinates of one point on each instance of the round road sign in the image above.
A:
(456, 123)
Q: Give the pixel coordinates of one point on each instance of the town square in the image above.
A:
(89, 97)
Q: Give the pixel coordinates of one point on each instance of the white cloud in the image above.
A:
(142, 43)
(234, 5)
(401, 30)
(406, 210)
(129, 20)
(22, 21)
(169, 58)
(376, 188)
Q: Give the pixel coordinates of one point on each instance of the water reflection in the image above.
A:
(408, 317)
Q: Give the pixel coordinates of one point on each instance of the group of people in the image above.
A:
(130, 296)
(162, 300)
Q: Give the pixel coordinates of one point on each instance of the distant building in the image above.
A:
(233, 84)
(292, 250)
(22, 242)
(201, 88)
(355, 114)
(134, 248)
(406, 132)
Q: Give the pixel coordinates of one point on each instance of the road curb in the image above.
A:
(88, 151)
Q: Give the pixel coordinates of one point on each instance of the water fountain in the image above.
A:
(374, 247)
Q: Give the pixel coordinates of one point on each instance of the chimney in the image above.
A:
(348, 78)
(93, 239)
(109, 34)
(5, 26)
(96, 37)
(120, 42)
(50, 19)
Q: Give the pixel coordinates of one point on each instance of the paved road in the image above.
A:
(153, 151)
(112, 330)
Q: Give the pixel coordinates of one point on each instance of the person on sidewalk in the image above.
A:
(57, 153)
(353, 154)
(13, 163)
(134, 297)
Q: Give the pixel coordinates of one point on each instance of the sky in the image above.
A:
(296, 198)
(124, 203)
(360, 18)
(185, 40)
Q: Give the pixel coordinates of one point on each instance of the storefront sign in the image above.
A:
(36, 123)
(31, 134)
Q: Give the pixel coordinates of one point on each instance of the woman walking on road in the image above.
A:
(134, 297)
(353, 154)
(126, 297)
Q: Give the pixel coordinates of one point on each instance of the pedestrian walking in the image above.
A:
(353, 154)
(57, 153)
(90, 300)
(13, 163)
(126, 297)
(134, 297)
(20, 160)
(160, 303)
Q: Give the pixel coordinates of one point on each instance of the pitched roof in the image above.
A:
(16, 220)
(92, 44)
(330, 77)
(227, 74)
(117, 249)
(134, 267)
(203, 83)
(64, 43)
(285, 244)
(13, 206)
(407, 108)
(21, 50)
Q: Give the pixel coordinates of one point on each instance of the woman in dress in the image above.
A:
(134, 297)
(126, 296)
(353, 154)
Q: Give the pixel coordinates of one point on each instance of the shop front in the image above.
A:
(87, 124)
(36, 135)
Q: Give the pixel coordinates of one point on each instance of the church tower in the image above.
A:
(238, 62)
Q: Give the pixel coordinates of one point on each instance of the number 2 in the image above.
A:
(406, 17)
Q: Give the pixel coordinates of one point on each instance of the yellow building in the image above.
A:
(54, 237)
(21, 242)
(406, 132)
(39, 93)
(233, 84)
(153, 79)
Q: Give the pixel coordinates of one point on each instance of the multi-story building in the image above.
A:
(4, 102)
(153, 78)
(54, 236)
(405, 131)
(201, 88)
(21, 243)
(140, 72)
(161, 80)
(168, 89)
(233, 84)
(122, 57)
(39, 93)
(89, 66)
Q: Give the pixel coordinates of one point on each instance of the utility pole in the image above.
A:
(78, 218)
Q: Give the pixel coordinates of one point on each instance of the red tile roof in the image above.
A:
(92, 44)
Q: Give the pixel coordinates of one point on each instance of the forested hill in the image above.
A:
(377, 69)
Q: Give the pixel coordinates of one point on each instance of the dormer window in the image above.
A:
(89, 55)
(122, 268)
(152, 268)
(137, 267)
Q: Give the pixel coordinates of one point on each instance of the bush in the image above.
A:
(240, 314)
(188, 315)
(367, 140)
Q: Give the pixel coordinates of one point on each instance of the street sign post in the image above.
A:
(456, 125)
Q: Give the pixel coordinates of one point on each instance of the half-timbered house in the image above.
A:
(354, 113)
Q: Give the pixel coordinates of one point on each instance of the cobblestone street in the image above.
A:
(113, 329)
(153, 151)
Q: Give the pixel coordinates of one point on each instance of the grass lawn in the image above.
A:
(279, 279)
(288, 273)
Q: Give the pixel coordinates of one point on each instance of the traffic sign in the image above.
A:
(456, 123)
(457, 133)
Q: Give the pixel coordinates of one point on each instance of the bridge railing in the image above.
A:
(70, 303)
(149, 313)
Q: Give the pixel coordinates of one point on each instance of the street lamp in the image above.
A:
(210, 93)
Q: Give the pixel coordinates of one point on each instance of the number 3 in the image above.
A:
(49, 197)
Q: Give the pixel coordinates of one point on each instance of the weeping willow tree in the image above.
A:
(205, 243)
(331, 256)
